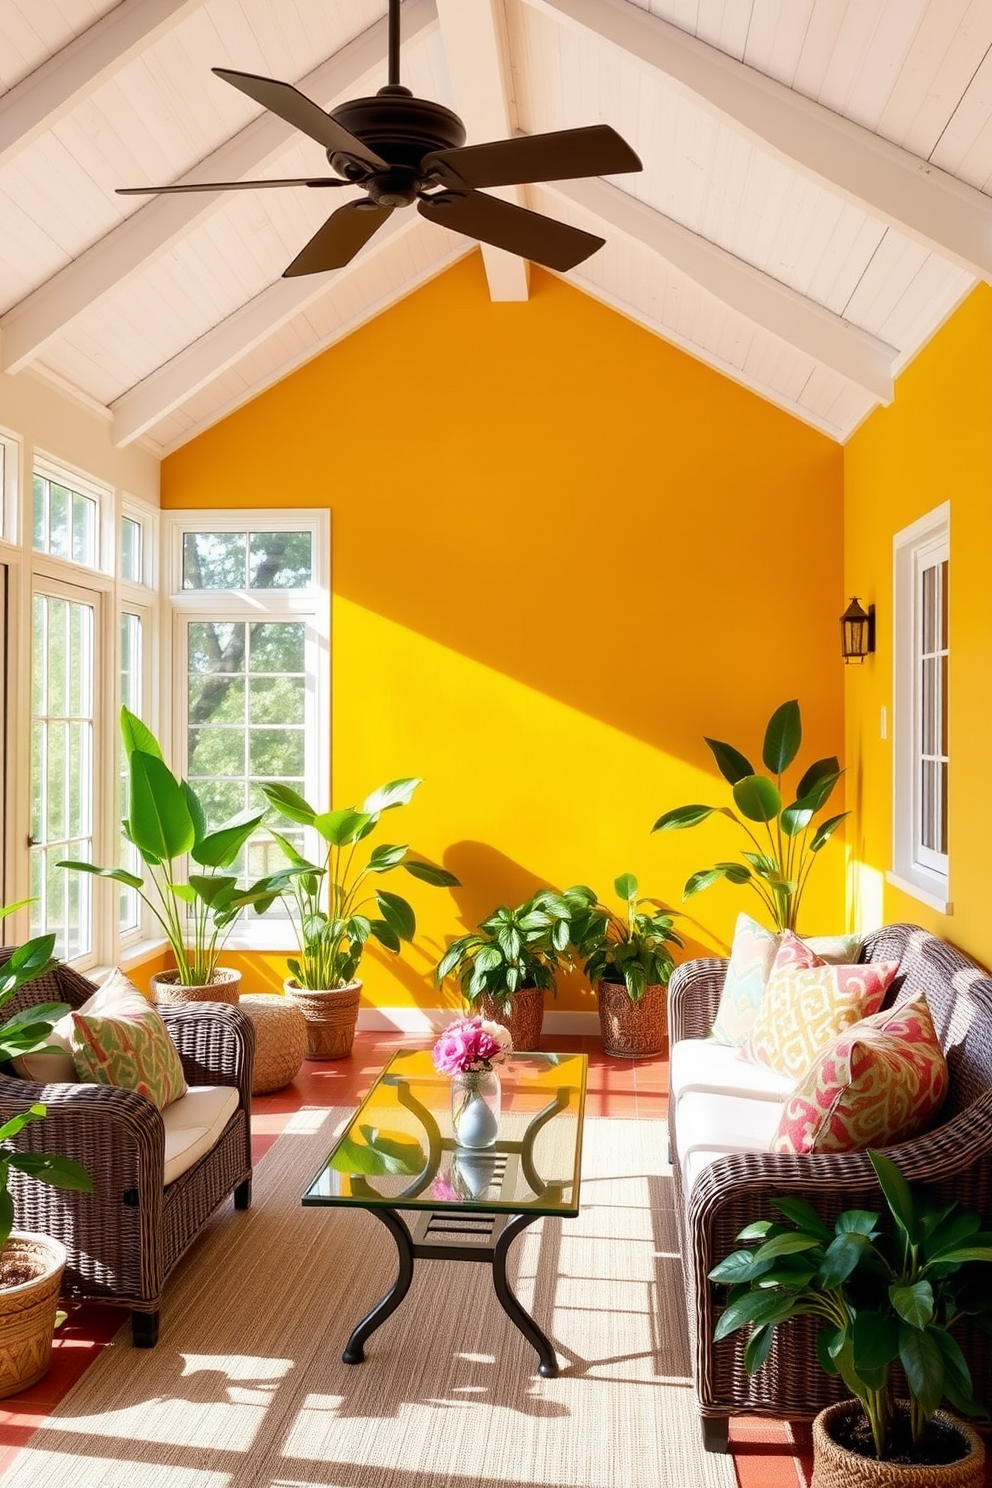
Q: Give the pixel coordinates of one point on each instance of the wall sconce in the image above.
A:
(857, 629)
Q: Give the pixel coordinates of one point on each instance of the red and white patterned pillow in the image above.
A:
(808, 1002)
(879, 1082)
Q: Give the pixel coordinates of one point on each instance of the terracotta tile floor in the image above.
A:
(765, 1454)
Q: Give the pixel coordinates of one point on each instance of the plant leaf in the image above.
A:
(898, 1194)
(342, 828)
(796, 818)
(730, 762)
(136, 735)
(758, 1348)
(923, 1365)
(688, 816)
(626, 887)
(289, 802)
(220, 848)
(826, 830)
(805, 1216)
(396, 793)
(397, 914)
(783, 737)
(430, 873)
(913, 1302)
(757, 798)
(159, 821)
(119, 875)
(812, 782)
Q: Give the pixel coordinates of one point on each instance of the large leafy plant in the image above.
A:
(165, 822)
(886, 1295)
(336, 904)
(632, 947)
(513, 948)
(22, 1033)
(784, 840)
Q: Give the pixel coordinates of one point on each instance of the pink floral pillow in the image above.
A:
(808, 1002)
(877, 1083)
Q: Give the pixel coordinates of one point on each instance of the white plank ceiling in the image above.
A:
(815, 200)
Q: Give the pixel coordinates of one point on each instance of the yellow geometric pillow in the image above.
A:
(807, 1003)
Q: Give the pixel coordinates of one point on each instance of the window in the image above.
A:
(921, 763)
(251, 646)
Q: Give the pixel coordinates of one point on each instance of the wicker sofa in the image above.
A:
(124, 1239)
(954, 1158)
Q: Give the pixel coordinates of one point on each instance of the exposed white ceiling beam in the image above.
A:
(933, 207)
(474, 34)
(39, 100)
(702, 354)
(150, 400)
(787, 314)
(368, 312)
(150, 231)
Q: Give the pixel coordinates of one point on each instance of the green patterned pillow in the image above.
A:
(751, 958)
(128, 1045)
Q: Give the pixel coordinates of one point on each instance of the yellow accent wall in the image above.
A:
(562, 552)
(933, 444)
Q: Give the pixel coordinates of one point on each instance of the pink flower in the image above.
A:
(471, 1044)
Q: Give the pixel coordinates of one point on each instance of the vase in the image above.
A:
(475, 1105)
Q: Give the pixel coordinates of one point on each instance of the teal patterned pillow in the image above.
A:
(128, 1045)
(751, 958)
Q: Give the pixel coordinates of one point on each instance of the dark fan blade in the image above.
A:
(596, 151)
(541, 239)
(345, 232)
(293, 106)
(230, 185)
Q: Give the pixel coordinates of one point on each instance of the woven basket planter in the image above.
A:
(27, 1312)
(836, 1467)
(524, 1020)
(331, 1017)
(632, 1030)
(225, 986)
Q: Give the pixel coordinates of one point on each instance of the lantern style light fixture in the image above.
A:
(857, 629)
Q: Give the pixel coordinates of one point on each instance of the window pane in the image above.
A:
(929, 609)
(83, 529)
(216, 647)
(279, 560)
(276, 752)
(61, 785)
(128, 903)
(942, 639)
(927, 833)
(59, 499)
(39, 489)
(216, 751)
(214, 560)
(216, 700)
(131, 550)
(942, 842)
(278, 700)
(277, 647)
(65, 521)
(927, 715)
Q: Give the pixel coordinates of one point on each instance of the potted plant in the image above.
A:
(332, 939)
(31, 1266)
(628, 961)
(888, 1295)
(504, 967)
(165, 822)
(784, 842)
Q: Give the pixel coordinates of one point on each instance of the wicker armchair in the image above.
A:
(954, 1159)
(124, 1239)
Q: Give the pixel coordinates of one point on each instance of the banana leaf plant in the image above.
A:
(784, 842)
(166, 822)
(25, 1032)
(334, 904)
(632, 947)
(888, 1293)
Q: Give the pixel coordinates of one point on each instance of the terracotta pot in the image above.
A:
(632, 1030)
(835, 1466)
(331, 1017)
(27, 1311)
(524, 1019)
(166, 987)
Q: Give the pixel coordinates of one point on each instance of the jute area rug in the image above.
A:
(246, 1388)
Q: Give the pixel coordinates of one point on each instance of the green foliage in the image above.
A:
(23, 1033)
(886, 1293)
(631, 948)
(333, 939)
(786, 842)
(515, 948)
(166, 822)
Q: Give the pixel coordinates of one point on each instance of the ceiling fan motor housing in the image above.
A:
(401, 129)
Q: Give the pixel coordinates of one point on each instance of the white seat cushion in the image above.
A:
(194, 1123)
(703, 1064)
(709, 1126)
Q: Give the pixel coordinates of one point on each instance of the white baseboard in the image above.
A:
(428, 1020)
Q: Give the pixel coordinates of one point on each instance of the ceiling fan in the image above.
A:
(400, 149)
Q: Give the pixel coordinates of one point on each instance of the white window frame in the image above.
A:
(916, 870)
(312, 605)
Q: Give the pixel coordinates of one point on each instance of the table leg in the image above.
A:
(355, 1351)
(548, 1367)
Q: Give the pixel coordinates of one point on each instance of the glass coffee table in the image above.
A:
(397, 1157)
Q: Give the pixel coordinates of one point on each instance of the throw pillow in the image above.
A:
(127, 1044)
(55, 1064)
(751, 958)
(808, 1002)
(877, 1083)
